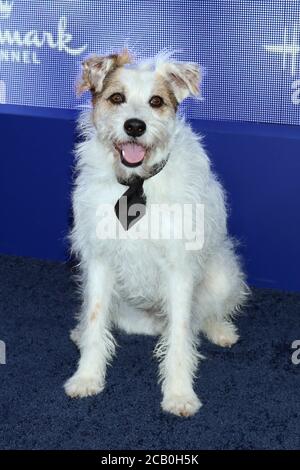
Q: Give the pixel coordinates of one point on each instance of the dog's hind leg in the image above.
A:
(220, 332)
(219, 297)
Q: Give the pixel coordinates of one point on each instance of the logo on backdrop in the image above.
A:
(289, 50)
(17, 46)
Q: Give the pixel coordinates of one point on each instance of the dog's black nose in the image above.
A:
(134, 127)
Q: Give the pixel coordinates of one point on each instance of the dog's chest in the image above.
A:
(139, 255)
(138, 269)
(137, 260)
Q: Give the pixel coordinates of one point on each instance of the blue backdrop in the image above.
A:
(250, 50)
(250, 115)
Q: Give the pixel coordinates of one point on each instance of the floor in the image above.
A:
(251, 393)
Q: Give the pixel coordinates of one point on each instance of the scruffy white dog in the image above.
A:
(148, 286)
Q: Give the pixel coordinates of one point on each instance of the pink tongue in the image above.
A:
(132, 153)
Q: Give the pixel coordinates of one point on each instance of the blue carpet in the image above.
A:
(251, 393)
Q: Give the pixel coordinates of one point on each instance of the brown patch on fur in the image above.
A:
(193, 75)
(95, 97)
(122, 58)
(177, 79)
(110, 82)
(164, 90)
(189, 79)
(85, 83)
(95, 312)
(97, 68)
(182, 77)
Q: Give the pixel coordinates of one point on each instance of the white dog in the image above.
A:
(148, 286)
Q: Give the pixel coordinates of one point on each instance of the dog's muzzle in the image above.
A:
(132, 154)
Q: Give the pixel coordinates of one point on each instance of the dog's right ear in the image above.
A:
(182, 77)
(97, 68)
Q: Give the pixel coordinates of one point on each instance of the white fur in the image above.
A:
(151, 286)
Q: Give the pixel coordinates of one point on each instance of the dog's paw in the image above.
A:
(75, 336)
(79, 386)
(181, 405)
(222, 333)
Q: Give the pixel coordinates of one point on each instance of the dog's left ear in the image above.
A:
(97, 68)
(183, 77)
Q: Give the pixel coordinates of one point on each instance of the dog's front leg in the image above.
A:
(177, 348)
(95, 342)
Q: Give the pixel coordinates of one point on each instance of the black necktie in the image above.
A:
(131, 206)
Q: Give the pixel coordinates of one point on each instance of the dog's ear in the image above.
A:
(183, 78)
(97, 68)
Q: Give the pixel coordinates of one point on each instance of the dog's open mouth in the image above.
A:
(131, 154)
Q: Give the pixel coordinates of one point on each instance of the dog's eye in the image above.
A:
(117, 98)
(156, 102)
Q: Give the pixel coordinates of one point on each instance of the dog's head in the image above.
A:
(134, 106)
